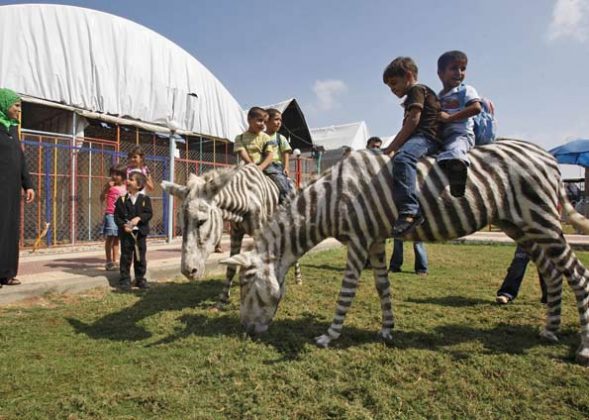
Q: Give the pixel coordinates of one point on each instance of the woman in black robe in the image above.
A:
(14, 175)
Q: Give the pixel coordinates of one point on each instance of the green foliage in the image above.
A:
(164, 354)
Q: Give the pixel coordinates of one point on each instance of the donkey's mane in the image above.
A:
(196, 180)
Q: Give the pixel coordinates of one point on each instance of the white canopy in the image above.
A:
(103, 63)
(336, 136)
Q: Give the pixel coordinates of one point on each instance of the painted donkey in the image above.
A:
(512, 184)
(241, 195)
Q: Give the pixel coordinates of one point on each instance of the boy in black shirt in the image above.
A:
(418, 137)
(132, 215)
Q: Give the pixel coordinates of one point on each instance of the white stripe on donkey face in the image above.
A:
(201, 220)
(512, 184)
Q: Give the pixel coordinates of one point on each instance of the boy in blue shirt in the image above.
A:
(460, 102)
(418, 137)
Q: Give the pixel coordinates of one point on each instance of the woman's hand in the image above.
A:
(29, 195)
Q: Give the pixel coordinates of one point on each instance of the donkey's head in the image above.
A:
(201, 219)
(260, 288)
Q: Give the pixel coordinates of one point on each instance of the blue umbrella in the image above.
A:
(575, 152)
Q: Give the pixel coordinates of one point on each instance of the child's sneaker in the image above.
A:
(142, 284)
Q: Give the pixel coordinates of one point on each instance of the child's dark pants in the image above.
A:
(127, 254)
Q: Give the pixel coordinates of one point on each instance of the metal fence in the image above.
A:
(69, 173)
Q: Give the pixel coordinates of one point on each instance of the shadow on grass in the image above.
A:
(123, 325)
(294, 337)
(451, 301)
(339, 268)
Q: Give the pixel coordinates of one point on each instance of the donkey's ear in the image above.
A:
(216, 183)
(176, 190)
(239, 260)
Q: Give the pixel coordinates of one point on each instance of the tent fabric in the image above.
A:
(336, 136)
(294, 125)
(106, 64)
(575, 152)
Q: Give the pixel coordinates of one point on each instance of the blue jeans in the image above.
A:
(420, 256)
(515, 276)
(276, 173)
(456, 146)
(404, 172)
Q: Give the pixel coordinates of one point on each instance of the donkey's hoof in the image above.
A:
(582, 356)
(549, 336)
(322, 341)
(386, 336)
(219, 306)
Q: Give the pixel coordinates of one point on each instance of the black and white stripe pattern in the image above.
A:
(512, 184)
(243, 196)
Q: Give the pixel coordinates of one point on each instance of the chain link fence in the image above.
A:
(68, 178)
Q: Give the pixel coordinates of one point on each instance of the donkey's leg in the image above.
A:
(565, 261)
(582, 294)
(297, 273)
(236, 239)
(356, 259)
(383, 287)
(553, 278)
(546, 266)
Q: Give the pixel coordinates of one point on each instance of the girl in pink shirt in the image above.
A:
(114, 188)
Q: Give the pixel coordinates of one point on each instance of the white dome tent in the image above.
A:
(75, 66)
(110, 66)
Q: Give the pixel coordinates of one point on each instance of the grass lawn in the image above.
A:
(164, 354)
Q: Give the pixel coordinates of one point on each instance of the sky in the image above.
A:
(530, 57)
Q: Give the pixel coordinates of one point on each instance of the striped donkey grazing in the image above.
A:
(242, 195)
(512, 184)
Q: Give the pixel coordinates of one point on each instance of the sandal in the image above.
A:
(11, 282)
(406, 223)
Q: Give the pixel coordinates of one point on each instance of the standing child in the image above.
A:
(278, 169)
(132, 215)
(113, 189)
(460, 103)
(136, 163)
(418, 137)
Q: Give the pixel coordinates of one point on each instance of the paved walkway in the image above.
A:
(68, 270)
